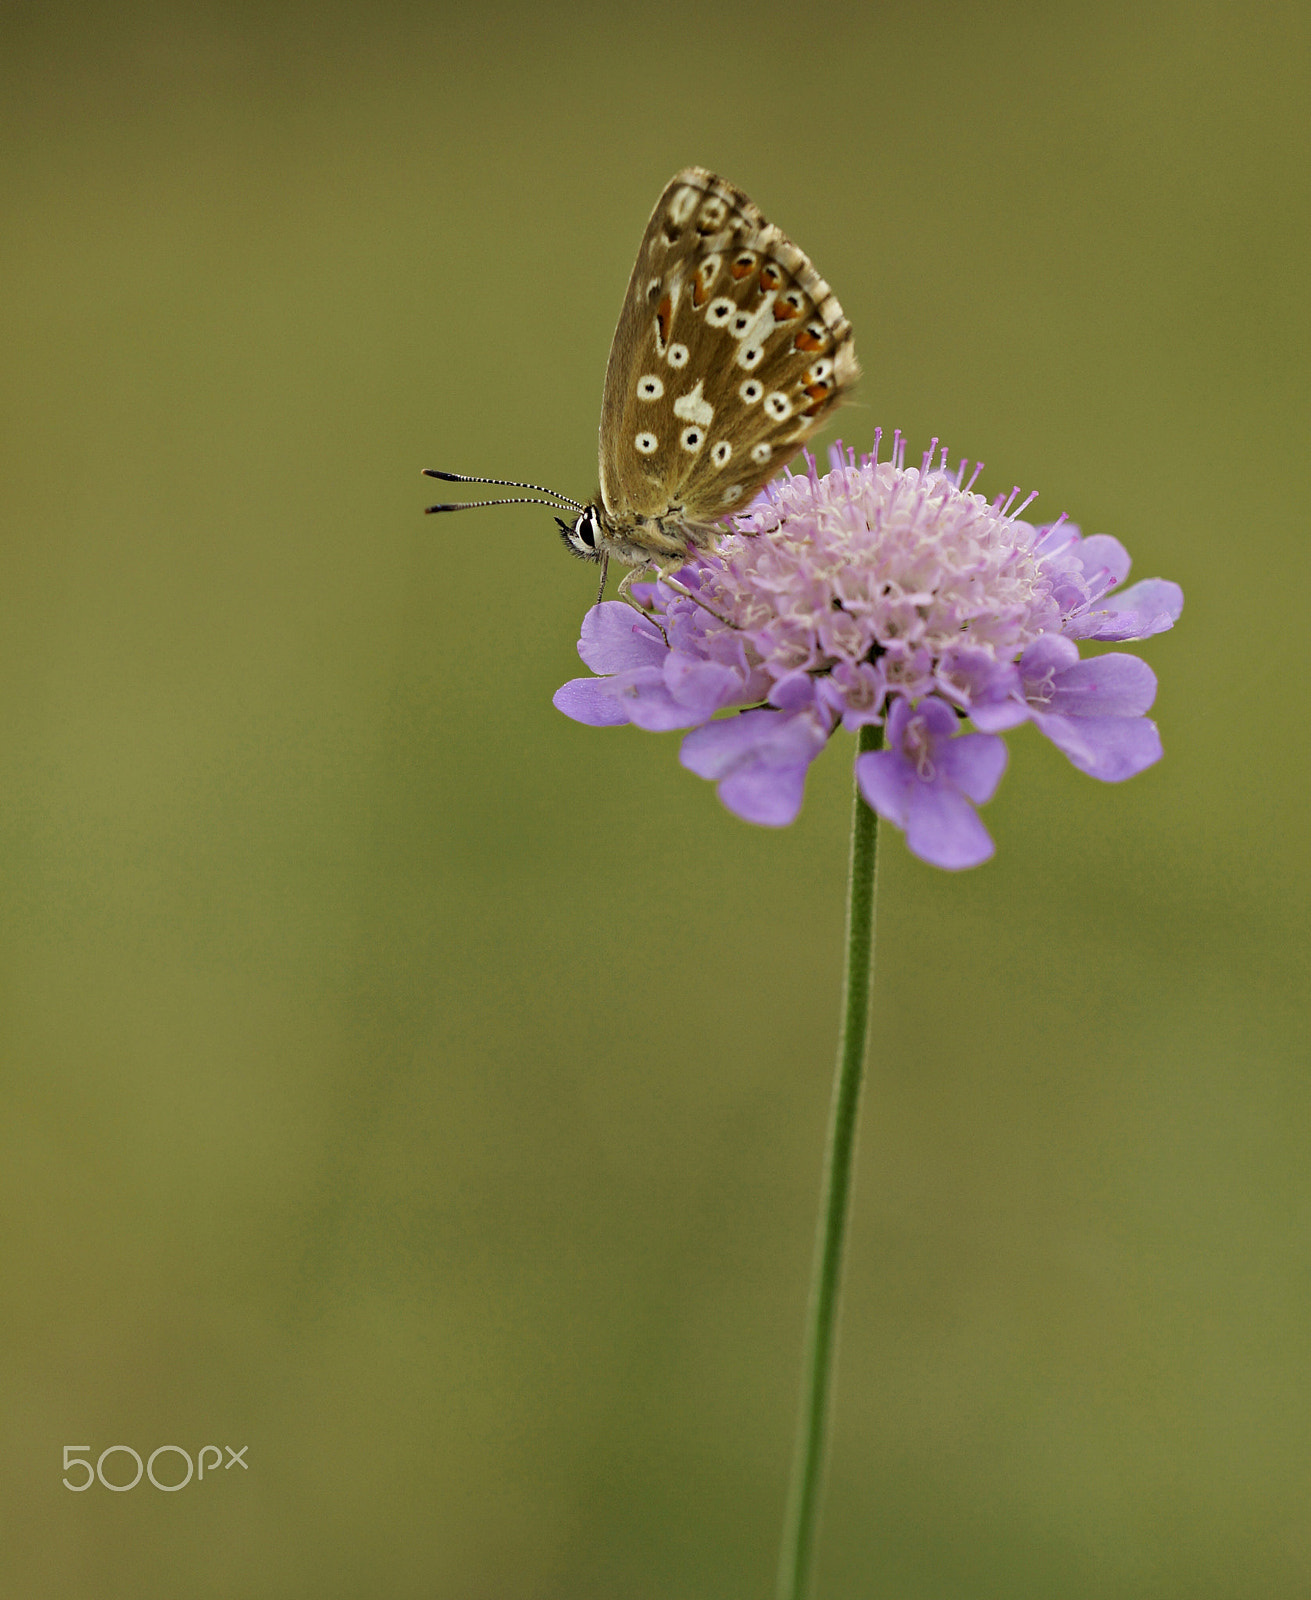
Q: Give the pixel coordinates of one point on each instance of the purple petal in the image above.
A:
(1056, 538)
(1099, 554)
(1049, 654)
(795, 691)
(1109, 748)
(702, 686)
(972, 763)
(990, 691)
(1108, 626)
(1105, 686)
(938, 717)
(590, 700)
(942, 828)
(999, 716)
(886, 779)
(615, 639)
(650, 704)
(767, 795)
(1158, 601)
(773, 738)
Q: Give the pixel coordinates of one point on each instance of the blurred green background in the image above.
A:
(427, 1092)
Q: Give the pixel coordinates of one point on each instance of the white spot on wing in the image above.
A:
(677, 356)
(692, 439)
(761, 452)
(683, 205)
(649, 387)
(647, 443)
(778, 405)
(751, 391)
(694, 407)
(721, 453)
(732, 493)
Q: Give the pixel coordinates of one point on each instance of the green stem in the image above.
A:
(808, 1461)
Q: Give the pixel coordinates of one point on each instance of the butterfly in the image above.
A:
(730, 352)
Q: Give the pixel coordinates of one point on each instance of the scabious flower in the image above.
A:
(888, 595)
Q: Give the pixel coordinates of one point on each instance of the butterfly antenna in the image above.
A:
(518, 500)
(505, 483)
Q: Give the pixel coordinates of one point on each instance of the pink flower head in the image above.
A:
(892, 595)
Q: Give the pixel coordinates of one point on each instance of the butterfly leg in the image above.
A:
(690, 594)
(647, 570)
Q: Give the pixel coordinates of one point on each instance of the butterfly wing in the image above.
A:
(730, 352)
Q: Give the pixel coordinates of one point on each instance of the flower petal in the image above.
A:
(772, 738)
(886, 779)
(700, 685)
(999, 716)
(936, 715)
(795, 691)
(1109, 748)
(1105, 686)
(943, 830)
(1158, 601)
(614, 639)
(1101, 554)
(767, 795)
(650, 704)
(973, 763)
(1050, 654)
(590, 700)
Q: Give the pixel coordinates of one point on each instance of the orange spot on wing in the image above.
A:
(740, 269)
(664, 312)
(816, 391)
(699, 291)
(770, 276)
(805, 340)
(785, 311)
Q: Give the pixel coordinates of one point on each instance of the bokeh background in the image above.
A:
(428, 1093)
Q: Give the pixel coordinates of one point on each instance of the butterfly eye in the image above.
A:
(751, 391)
(649, 387)
(582, 536)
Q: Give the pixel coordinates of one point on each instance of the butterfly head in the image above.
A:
(583, 534)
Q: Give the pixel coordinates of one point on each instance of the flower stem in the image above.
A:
(796, 1560)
